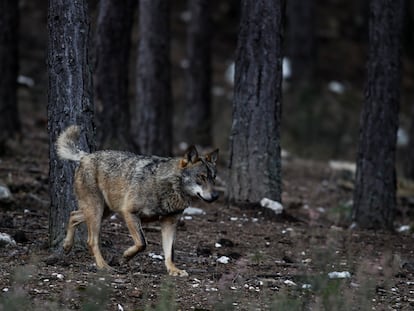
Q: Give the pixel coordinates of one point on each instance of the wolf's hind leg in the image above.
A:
(94, 209)
(134, 226)
(76, 218)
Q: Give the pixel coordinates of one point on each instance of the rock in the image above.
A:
(193, 211)
(336, 87)
(275, 206)
(289, 283)
(5, 194)
(223, 259)
(6, 239)
(155, 256)
(339, 275)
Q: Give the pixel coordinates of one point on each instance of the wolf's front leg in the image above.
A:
(134, 226)
(168, 229)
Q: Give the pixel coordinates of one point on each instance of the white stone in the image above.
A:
(194, 211)
(5, 193)
(223, 260)
(6, 239)
(275, 206)
(339, 275)
(336, 87)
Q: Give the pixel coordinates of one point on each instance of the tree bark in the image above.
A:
(113, 43)
(69, 102)
(375, 188)
(409, 158)
(154, 100)
(255, 162)
(198, 77)
(9, 54)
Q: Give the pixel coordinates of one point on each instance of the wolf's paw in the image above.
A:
(67, 246)
(177, 272)
(105, 267)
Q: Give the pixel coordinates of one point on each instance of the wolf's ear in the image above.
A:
(191, 156)
(212, 157)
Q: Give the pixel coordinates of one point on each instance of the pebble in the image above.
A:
(339, 275)
(275, 206)
(223, 260)
(194, 211)
(5, 193)
(6, 239)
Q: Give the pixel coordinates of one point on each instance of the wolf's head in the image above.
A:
(199, 174)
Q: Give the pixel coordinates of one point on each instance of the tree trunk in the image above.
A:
(255, 163)
(69, 102)
(9, 38)
(375, 188)
(409, 157)
(113, 43)
(198, 86)
(154, 112)
(301, 39)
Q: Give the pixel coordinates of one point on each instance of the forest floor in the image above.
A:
(275, 262)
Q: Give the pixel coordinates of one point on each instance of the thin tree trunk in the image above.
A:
(113, 43)
(198, 86)
(375, 188)
(9, 54)
(154, 99)
(255, 163)
(69, 102)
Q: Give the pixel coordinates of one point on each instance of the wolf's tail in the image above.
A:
(67, 148)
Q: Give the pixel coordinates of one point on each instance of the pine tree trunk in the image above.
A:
(409, 158)
(113, 43)
(198, 86)
(375, 188)
(255, 163)
(69, 102)
(153, 130)
(9, 38)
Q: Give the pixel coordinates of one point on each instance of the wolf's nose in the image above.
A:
(214, 196)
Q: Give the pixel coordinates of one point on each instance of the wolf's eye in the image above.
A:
(201, 179)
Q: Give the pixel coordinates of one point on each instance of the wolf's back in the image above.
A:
(66, 145)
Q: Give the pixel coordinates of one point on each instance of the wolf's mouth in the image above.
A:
(204, 199)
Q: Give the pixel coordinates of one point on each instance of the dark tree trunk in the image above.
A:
(301, 39)
(9, 38)
(153, 131)
(375, 188)
(255, 163)
(113, 43)
(198, 86)
(69, 102)
(409, 158)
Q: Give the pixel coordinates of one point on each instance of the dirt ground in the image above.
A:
(275, 262)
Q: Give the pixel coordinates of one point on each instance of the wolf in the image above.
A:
(139, 188)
